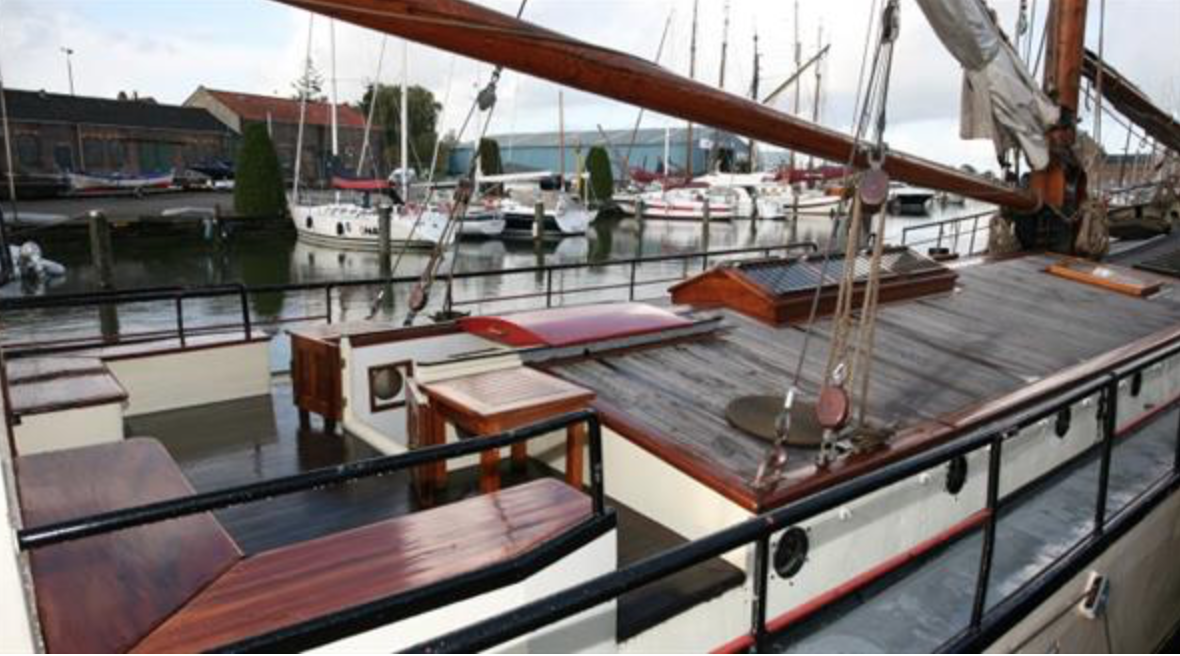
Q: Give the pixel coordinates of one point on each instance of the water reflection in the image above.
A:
(262, 259)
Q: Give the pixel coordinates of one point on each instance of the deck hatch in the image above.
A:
(779, 290)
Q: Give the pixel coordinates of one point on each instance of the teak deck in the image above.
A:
(1007, 325)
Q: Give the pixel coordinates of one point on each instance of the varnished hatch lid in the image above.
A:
(574, 325)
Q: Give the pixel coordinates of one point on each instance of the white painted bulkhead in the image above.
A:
(852, 541)
(69, 429)
(193, 377)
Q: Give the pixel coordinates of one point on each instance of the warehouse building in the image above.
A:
(281, 117)
(541, 151)
(55, 133)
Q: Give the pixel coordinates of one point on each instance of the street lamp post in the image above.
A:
(69, 68)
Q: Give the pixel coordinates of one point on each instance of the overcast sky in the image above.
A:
(166, 48)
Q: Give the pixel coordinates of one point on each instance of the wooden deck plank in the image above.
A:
(103, 594)
(297, 583)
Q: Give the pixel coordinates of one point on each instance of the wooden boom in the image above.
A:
(486, 35)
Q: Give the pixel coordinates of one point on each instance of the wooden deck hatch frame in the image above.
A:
(779, 290)
(1106, 276)
(575, 325)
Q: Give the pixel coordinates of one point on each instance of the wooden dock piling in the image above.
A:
(103, 257)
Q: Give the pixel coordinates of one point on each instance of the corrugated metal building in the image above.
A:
(541, 151)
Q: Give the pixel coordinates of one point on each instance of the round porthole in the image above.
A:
(791, 552)
(340, 229)
(309, 223)
(1136, 384)
(387, 383)
(956, 475)
(1061, 425)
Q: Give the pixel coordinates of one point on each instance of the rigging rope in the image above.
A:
(771, 469)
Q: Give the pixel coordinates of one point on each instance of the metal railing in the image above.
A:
(246, 323)
(985, 626)
(951, 231)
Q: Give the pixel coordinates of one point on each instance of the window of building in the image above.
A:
(93, 154)
(28, 150)
(63, 156)
(116, 154)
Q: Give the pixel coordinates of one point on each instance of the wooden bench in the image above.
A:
(279, 588)
(41, 385)
(103, 594)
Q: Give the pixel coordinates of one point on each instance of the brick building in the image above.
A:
(281, 116)
(54, 133)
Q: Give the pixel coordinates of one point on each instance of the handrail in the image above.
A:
(985, 625)
(168, 293)
(178, 295)
(38, 537)
(955, 236)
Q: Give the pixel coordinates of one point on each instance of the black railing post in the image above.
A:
(631, 284)
(994, 458)
(328, 303)
(941, 228)
(247, 326)
(549, 287)
(597, 485)
(180, 319)
(1109, 413)
(1176, 462)
(974, 230)
(761, 576)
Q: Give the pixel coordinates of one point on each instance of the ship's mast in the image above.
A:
(335, 98)
(798, 79)
(714, 150)
(692, 72)
(754, 96)
(1056, 185)
(405, 121)
(819, 78)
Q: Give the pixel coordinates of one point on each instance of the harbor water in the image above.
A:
(259, 258)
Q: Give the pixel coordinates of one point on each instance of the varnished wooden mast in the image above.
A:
(1063, 83)
(490, 36)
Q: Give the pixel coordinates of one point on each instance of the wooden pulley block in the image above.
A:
(417, 298)
(874, 188)
(833, 407)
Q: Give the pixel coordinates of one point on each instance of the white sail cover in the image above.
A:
(1001, 100)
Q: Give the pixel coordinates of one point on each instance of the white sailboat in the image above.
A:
(349, 224)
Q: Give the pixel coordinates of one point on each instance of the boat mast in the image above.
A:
(335, 98)
(692, 72)
(819, 78)
(714, 151)
(754, 96)
(798, 79)
(561, 135)
(303, 93)
(405, 122)
(503, 40)
(374, 91)
(1063, 73)
(6, 269)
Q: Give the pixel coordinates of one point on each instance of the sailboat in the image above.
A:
(357, 224)
(849, 449)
